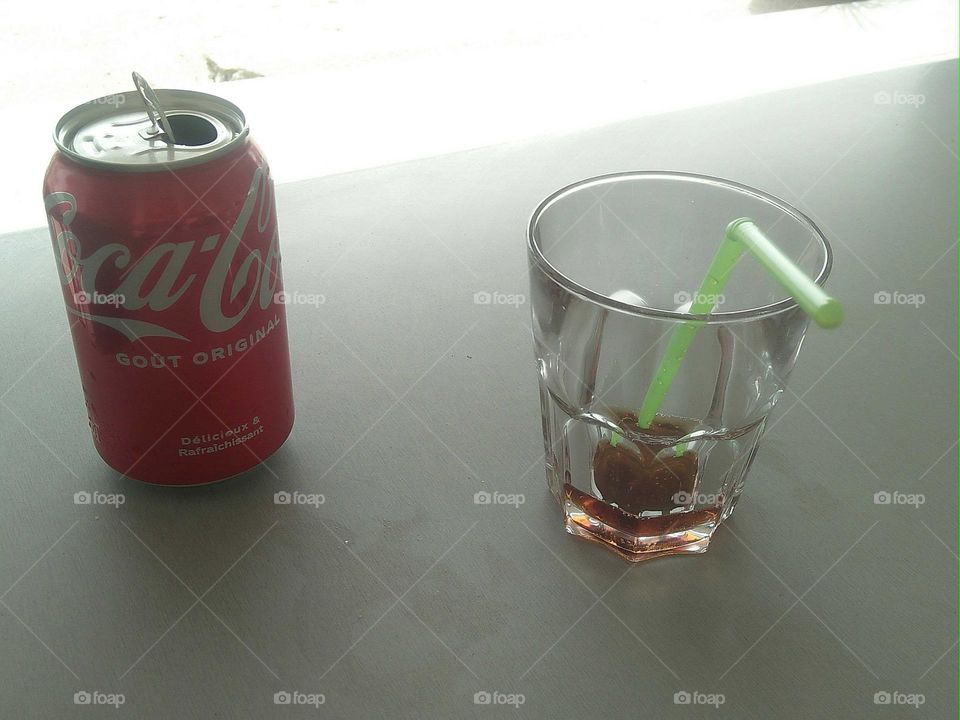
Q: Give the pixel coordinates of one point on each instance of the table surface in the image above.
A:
(399, 596)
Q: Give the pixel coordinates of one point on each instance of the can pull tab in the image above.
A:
(160, 128)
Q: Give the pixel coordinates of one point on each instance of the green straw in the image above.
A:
(742, 234)
(825, 310)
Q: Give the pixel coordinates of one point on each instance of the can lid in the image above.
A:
(146, 130)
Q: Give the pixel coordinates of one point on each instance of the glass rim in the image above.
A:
(787, 303)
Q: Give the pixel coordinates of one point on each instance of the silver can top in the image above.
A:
(146, 130)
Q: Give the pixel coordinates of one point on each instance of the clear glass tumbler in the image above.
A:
(615, 262)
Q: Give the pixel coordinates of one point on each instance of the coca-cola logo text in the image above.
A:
(159, 278)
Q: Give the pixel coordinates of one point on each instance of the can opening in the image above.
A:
(191, 130)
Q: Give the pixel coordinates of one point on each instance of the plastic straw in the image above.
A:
(742, 234)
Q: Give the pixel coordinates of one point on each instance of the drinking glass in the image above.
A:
(614, 263)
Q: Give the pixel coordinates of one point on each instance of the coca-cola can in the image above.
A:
(162, 215)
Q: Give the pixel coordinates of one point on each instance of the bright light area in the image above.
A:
(350, 84)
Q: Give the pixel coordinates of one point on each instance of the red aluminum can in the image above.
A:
(162, 215)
